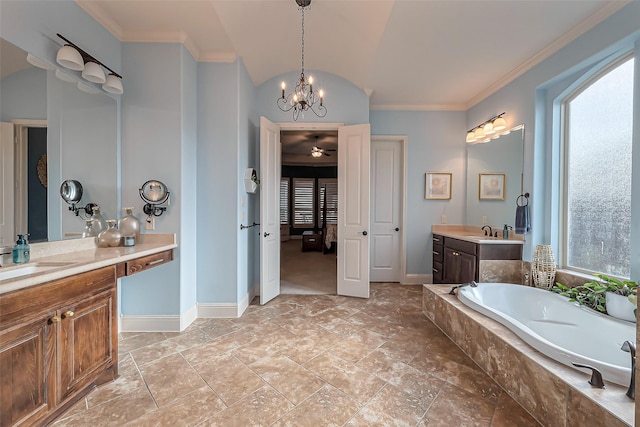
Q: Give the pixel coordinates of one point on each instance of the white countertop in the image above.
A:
(56, 260)
(476, 235)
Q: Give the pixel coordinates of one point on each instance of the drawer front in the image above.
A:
(460, 245)
(438, 239)
(144, 263)
(437, 272)
(438, 253)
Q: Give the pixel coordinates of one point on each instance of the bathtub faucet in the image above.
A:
(630, 347)
(473, 284)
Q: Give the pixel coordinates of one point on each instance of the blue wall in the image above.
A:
(436, 144)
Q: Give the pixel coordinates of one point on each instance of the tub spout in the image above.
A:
(473, 284)
(630, 347)
(596, 376)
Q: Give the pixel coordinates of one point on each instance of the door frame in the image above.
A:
(21, 129)
(404, 159)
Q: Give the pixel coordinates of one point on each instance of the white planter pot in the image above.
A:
(619, 306)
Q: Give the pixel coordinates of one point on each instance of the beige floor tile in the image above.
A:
(116, 412)
(328, 407)
(383, 366)
(170, 378)
(348, 378)
(189, 410)
(358, 345)
(136, 341)
(122, 385)
(218, 346)
(295, 382)
(456, 407)
(231, 379)
(391, 406)
(268, 344)
(303, 349)
(260, 408)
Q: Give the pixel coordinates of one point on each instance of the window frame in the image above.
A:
(321, 183)
(563, 235)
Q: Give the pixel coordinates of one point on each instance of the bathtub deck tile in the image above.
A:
(541, 385)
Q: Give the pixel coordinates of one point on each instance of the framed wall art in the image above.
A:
(491, 186)
(437, 186)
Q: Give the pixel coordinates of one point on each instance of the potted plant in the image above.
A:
(607, 295)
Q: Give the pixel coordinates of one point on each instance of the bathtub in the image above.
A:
(560, 329)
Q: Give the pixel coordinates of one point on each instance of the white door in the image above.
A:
(386, 181)
(6, 185)
(353, 210)
(270, 152)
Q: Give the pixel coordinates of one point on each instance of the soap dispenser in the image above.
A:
(505, 232)
(21, 250)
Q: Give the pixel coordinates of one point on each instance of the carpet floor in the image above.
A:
(308, 272)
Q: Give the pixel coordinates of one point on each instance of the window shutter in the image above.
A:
(328, 187)
(303, 191)
(284, 201)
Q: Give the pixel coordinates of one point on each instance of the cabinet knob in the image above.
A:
(55, 319)
(68, 313)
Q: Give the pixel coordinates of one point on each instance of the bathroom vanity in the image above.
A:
(59, 327)
(457, 256)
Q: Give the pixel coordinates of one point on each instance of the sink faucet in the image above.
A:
(484, 227)
(630, 347)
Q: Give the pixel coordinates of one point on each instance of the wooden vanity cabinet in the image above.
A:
(460, 259)
(57, 341)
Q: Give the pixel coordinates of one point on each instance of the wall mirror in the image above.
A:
(62, 133)
(498, 157)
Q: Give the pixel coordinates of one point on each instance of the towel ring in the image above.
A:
(525, 196)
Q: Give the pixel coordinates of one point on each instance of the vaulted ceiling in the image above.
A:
(408, 54)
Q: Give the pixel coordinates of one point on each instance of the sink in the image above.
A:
(7, 273)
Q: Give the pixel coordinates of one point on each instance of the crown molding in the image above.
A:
(577, 30)
(428, 107)
(97, 12)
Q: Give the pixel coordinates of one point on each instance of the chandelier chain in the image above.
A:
(303, 8)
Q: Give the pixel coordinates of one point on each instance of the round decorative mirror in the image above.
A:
(71, 191)
(155, 193)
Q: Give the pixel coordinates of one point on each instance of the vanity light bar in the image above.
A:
(488, 130)
(74, 58)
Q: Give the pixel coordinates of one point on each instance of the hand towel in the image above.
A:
(523, 224)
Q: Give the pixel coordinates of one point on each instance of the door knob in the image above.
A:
(397, 229)
(364, 233)
(266, 234)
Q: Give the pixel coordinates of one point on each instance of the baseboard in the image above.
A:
(221, 310)
(158, 323)
(417, 279)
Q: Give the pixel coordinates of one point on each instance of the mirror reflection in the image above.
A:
(498, 163)
(62, 133)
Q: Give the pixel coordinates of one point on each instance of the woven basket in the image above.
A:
(543, 267)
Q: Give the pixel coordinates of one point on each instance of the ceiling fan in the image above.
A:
(316, 151)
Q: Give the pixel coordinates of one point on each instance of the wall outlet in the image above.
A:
(242, 217)
(243, 201)
(484, 220)
(443, 219)
(150, 223)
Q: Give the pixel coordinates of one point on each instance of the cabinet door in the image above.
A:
(459, 267)
(27, 353)
(85, 346)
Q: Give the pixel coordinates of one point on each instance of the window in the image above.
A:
(284, 201)
(328, 187)
(597, 178)
(303, 190)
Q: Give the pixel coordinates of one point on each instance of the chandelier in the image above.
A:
(303, 98)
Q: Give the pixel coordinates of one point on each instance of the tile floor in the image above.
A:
(302, 360)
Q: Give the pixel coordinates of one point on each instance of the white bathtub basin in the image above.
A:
(556, 327)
